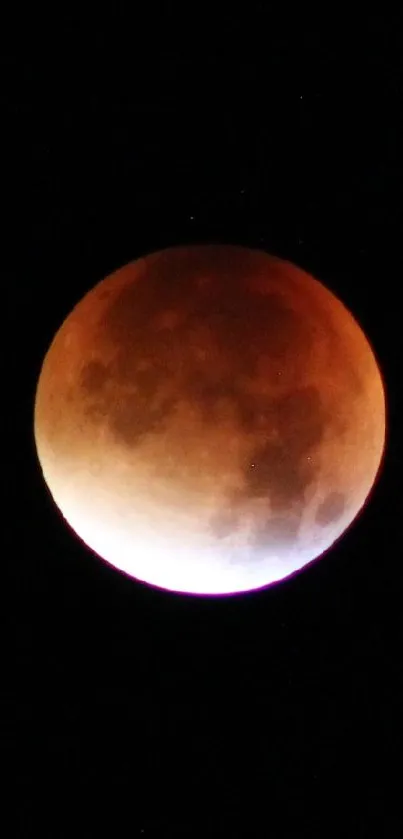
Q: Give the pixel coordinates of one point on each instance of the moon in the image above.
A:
(209, 419)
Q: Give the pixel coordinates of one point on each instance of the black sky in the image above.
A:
(127, 709)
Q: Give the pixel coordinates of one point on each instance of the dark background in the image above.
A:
(129, 709)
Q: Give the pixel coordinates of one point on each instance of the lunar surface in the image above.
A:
(209, 419)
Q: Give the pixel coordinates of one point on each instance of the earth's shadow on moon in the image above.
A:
(192, 327)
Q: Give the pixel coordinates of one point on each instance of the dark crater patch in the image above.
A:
(207, 394)
(278, 475)
(282, 471)
(277, 536)
(301, 419)
(278, 533)
(149, 381)
(96, 411)
(133, 417)
(93, 377)
(331, 508)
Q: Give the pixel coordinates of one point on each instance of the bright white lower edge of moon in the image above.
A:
(178, 556)
(209, 420)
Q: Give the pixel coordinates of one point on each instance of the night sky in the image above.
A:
(130, 711)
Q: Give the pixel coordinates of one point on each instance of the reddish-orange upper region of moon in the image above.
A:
(209, 419)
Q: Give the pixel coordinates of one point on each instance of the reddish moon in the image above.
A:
(210, 419)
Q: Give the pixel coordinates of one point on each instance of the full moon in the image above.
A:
(209, 419)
